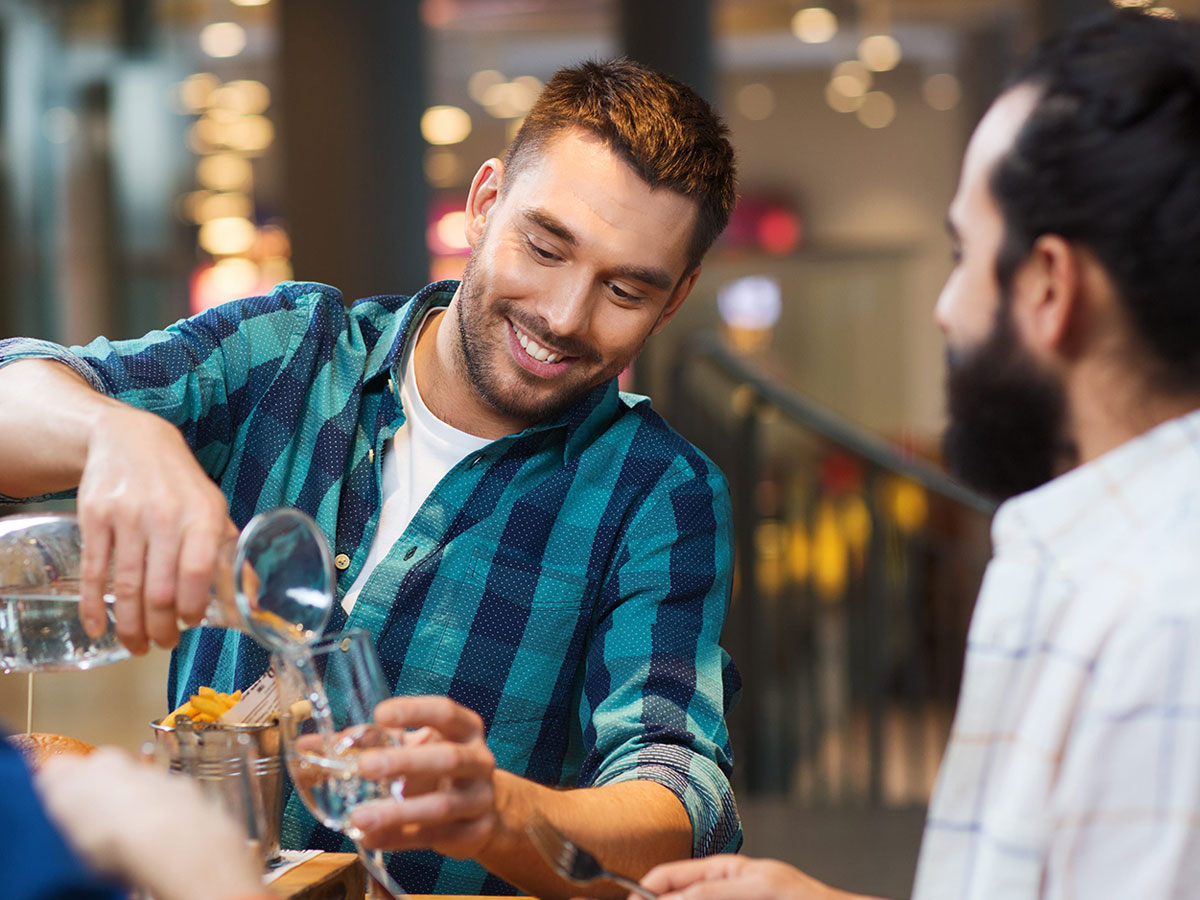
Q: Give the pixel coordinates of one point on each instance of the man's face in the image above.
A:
(575, 265)
(1007, 412)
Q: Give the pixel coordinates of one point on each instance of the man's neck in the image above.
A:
(1112, 404)
(444, 385)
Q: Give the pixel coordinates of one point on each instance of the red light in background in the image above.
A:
(779, 231)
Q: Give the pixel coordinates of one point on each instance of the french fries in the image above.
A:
(205, 706)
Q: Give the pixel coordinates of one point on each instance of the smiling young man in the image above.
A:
(543, 563)
(1072, 317)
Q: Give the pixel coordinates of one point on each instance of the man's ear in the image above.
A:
(485, 190)
(1047, 302)
(676, 300)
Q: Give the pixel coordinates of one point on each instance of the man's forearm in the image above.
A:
(630, 826)
(47, 413)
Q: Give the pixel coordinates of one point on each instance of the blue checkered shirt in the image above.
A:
(568, 583)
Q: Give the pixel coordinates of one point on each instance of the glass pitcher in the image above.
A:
(275, 583)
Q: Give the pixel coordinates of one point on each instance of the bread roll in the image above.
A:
(39, 747)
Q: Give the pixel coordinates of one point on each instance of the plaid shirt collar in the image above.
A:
(582, 422)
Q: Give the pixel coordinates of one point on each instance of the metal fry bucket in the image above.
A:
(239, 765)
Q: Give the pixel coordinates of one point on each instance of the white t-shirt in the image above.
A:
(415, 459)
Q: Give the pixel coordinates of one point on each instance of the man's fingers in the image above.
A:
(197, 564)
(128, 574)
(445, 758)
(93, 575)
(676, 876)
(437, 820)
(454, 721)
(162, 557)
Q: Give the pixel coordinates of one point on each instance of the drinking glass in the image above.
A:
(328, 691)
(274, 582)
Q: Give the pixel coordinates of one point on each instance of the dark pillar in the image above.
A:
(1054, 16)
(353, 90)
(673, 36)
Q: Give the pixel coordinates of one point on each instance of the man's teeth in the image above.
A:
(536, 350)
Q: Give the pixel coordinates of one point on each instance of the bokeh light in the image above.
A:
(442, 125)
(879, 52)
(942, 91)
(878, 110)
(814, 25)
(756, 101)
(222, 40)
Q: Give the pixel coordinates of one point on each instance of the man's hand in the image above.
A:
(146, 505)
(154, 830)
(449, 794)
(727, 877)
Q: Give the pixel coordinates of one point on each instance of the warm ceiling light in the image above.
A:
(879, 52)
(877, 110)
(225, 205)
(242, 96)
(223, 39)
(223, 237)
(195, 91)
(251, 2)
(442, 125)
(479, 83)
(224, 172)
(840, 102)
(814, 25)
(847, 85)
(756, 101)
(442, 167)
(942, 91)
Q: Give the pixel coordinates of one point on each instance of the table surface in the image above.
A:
(325, 869)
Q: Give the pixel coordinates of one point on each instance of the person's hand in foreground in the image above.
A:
(151, 830)
(730, 877)
(449, 795)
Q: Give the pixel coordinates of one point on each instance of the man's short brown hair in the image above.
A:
(666, 131)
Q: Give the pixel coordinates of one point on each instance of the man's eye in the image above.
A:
(956, 255)
(622, 294)
(541, 252)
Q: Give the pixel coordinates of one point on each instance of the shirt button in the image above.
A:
(477, 460)
(411, 551)
(341, 562)
(371, 455)
(391, 386)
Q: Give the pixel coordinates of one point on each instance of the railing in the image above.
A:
(857, 568)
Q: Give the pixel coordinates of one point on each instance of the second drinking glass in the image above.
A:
(328, 692)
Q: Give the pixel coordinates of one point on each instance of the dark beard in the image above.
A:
(1007, 431)
(477, 360)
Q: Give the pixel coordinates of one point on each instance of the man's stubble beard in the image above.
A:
(477, 360)
(1007, 431)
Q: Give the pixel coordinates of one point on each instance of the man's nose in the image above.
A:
(568, 312)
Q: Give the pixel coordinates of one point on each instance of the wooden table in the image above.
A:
(333, 876)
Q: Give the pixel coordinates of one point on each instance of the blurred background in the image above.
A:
(158, 157)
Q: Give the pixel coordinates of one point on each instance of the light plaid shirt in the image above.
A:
(1073, 769)
(568, 583)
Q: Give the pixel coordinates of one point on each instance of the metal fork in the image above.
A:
(572, 861)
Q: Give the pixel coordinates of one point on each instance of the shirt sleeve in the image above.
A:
(1125, 808)
(195, 373)
(658, 684)
(34, 857)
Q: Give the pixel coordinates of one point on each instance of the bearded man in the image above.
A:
(538, 557)
(1073, 768)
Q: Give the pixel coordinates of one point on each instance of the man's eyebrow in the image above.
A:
(548, 223)
(653, 277)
